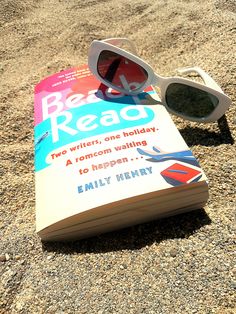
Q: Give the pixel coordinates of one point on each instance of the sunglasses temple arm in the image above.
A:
(208, 80)
(119, 41)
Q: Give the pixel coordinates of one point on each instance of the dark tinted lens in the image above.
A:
(190, 101)
(120, 71)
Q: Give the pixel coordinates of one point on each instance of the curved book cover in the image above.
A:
(104, 160)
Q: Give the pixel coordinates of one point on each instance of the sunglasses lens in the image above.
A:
(120, 71)
(190, 101)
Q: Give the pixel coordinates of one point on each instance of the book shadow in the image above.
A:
(135, 237)
(198, 136)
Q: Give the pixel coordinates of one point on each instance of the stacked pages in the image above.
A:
(105, 161)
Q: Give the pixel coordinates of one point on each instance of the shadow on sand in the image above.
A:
(136, 237)
(198, 136)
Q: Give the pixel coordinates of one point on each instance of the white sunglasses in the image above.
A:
(125, 72)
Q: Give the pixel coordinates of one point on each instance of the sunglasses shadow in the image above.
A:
(192, 135)
(196, 135)
(116, 97)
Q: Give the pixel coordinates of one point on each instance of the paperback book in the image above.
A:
(105, 161)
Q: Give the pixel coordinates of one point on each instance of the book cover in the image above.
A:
(95, 147)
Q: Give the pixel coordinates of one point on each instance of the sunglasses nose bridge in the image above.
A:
(156, 80)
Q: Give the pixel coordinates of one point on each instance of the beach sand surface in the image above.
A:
(183, 264)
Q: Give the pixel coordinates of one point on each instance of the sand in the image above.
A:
(183, 264)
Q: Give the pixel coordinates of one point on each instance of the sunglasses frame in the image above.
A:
(112, 44)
